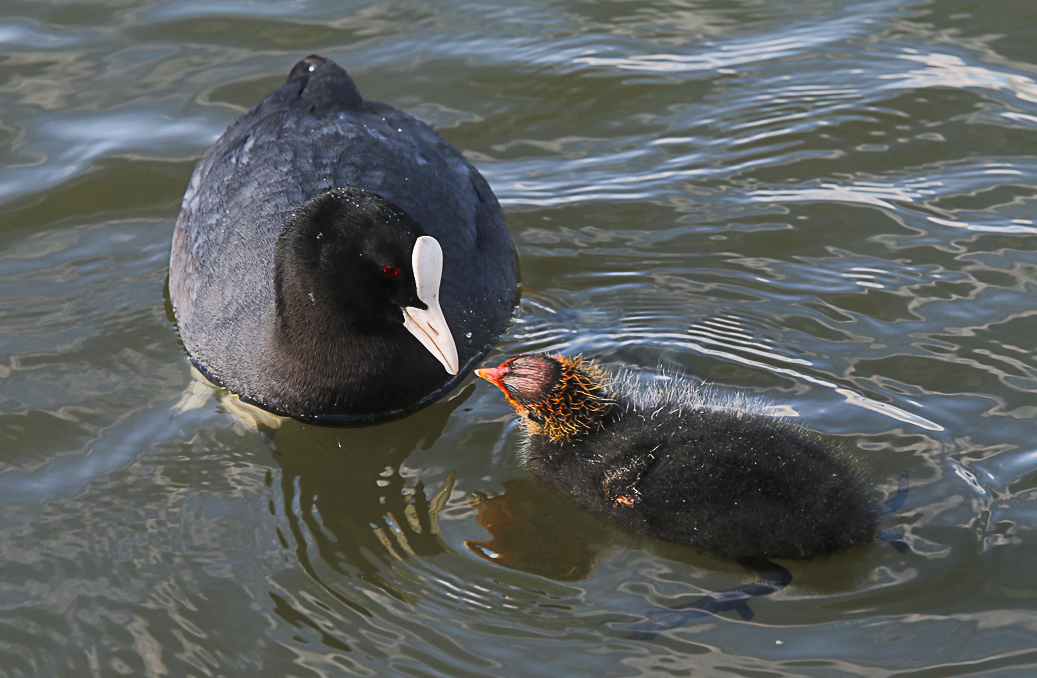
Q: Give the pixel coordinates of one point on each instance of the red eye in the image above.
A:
(390, 271)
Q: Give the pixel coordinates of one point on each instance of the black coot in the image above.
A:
(336, 260)
(665, 462)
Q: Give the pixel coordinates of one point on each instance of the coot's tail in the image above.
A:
(325, 85)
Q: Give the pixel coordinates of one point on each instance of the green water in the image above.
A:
(829, 205)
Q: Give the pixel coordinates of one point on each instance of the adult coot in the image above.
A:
(664, 461)
(336, 260)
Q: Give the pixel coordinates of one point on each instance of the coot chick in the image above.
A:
(663, 461)
(336, 260)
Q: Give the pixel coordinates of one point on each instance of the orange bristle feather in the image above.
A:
(579, 402)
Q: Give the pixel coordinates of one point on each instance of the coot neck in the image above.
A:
(345, 362)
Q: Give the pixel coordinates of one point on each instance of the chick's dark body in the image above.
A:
(733, 483)
(313, 134)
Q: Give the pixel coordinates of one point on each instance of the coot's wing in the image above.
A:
(221, 268)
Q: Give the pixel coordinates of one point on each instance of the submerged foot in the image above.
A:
(896, 502)
(891, 505)
(246, 417)
(773, 578)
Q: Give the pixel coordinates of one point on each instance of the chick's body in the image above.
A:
(666, 463)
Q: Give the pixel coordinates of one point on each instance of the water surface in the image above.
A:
(829, 205)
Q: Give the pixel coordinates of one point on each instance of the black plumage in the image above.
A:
(665, 461)
(292, 256)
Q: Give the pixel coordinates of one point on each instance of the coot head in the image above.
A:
(351, 258)
(557, 396)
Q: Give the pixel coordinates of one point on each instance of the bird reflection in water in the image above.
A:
(535, 529)
(345, 494)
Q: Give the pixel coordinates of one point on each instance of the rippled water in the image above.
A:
(826, 204)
